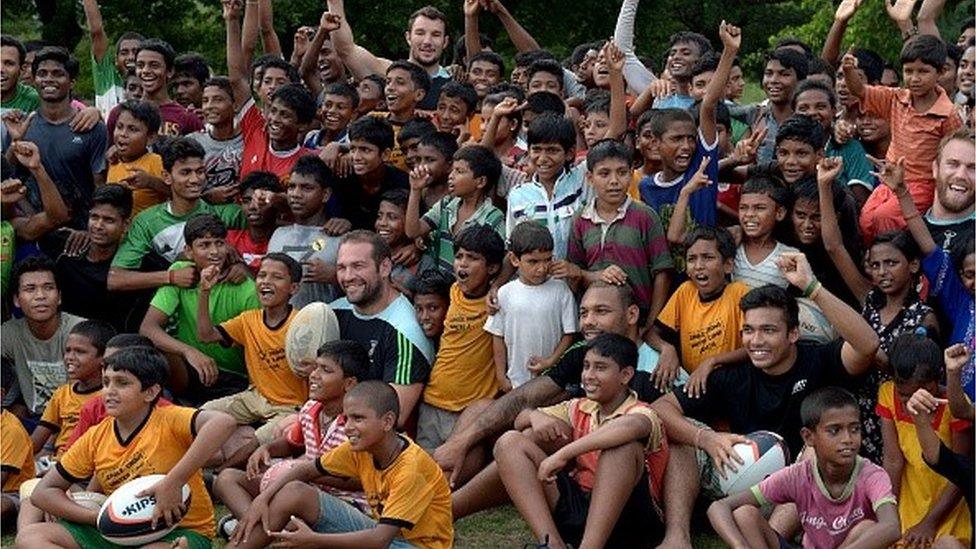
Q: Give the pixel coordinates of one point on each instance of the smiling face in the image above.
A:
(873, 129)
(602, 311)
(548, 159)
(52, 81)
(610, 178)
(545, 81)
(329, 64)
(259, 213)
(699, 84)
(306, 197)
(816, 104)
(955, 172)
(402, 94)
(274, 283)
(602, 378)
(370, 96)
(131, 136)
(125, 55)
(365, 428)
(427, 39)
(431, 310)
(966, 75)
(706, 268)
(767, 338)
(596, 125)
(271, 79)
(358, 274)
(601, 71)
(365, 156)
(920, 78)
(796, 159)
(81, 359)
(837, 438)
(326, 382)
(10, 64)
(778, 82)
(473, 273)
(890, 270)
(106, 226)
(389, 223)
(186, 178)
(152, 71)
(676, 147)
(218, 106)
(758, 214)
(283, 125)
(483, 75)
(124, 395)
(38, 296)
(336, 112)
(451, 113)
(806, 221)
(682, 58)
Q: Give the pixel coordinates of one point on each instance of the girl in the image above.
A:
(389, 225)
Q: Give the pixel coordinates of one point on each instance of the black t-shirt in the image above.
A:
(752, 400)
(959, 470)
(429, 102)
(953, 237)
(568, 370)
(360, 208)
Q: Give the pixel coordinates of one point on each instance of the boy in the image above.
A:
(606, 111)
(338, 109)
(190, 72)
(702, 318)
(390, 227)
(455, 106)
(474, 173)
(408, 139)
(431, 298)
(406, 86)
(139, 438)
(536, 316)
(436, 151)
(274, 390)
(309, 188)
(463, 370)
(340, 365)
(14, 94)
(410, 502)
(262, 217)
(132, 164)
(155, 239)
(844, 499)
(371, 140)
(920, 117)
(582, 506)
(200, 370)
(35, 342)
(16, 461)
(108, 67)
(639, 256)
(222, 140)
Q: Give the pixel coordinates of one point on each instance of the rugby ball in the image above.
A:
(126, 519)
(764, 454)
(314, 325)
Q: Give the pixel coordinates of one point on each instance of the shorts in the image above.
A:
(87, 536)
(708, 478)
(197, 393)
(434, 426)
(338, 517)
(250, 406)
(638, 525)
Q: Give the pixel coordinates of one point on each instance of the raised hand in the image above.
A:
(699, 180)
(613, 55)
(209, 277)
(12, 190)
(846, 10)
(796, 269)
(956, 357)
(472, 8)
(849, 61)
(231, 9)
(420, 177)
(731, 36)
(27, 154)
(892, 175)
(828, 169)
(900, 10)
(330, 22)
(507, 107)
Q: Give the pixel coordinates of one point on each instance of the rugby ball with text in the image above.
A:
(126, 519)
(314, 325)
(764, 454)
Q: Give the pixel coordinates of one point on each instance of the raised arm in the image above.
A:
(521, 39)
(96, 28)
(54, 212)
(893, 176)
(731, 40)
(237, 71)
(360, 61)
(413, 225)
(637, 76)
(827, 171)
(251, 31)
(835, 37)
(678, 225)
(268, 35)
(900, 12)
(927, 15)
(472, 30)
(618, 94)
(855, 84)
(308, 68)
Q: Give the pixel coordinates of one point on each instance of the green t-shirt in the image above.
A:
(226, 302)
(6, 254)
(25, 100)
(157, 231)
(109, 85)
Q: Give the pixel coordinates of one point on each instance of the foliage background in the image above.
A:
(195, 25)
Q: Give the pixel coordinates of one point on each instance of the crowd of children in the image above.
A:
(573, 287)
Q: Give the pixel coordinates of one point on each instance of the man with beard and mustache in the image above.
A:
(382, 319)
(950, 220)
(426, 36)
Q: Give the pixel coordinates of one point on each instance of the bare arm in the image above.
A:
(125, 279)
(893, 176)
(500, 414)
(835, 37)
(413, 225)
(833, 241)
(855, 84)
(409, 396)
(96, 28)
(206, 332)
(308, 68)
(715, 91)
(521, 39)
(928, 14)
(891, 459)
(153, 327)
(360, 61)
(884, 533)
(53, 214)
(472, 30)
(500, 354)
(956, 358)
(720, 515)
(51, 497)
(618, 92)
(251, 32)
(237, 71)
(39, 436)
(268, 35)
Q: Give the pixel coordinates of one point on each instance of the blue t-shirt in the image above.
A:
(661, 195)
(674, 101)
(956, 303)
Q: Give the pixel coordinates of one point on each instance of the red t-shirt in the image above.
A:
(252, 252)
(177, 121)
(92, 413)
(258, 155)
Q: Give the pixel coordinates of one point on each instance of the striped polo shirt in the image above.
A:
(531, 202)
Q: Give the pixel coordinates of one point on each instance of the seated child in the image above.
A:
(275, 391)
(537, 314)
(410, 502)
(702, 318)
(132, 164)
(262, 218)
(16, 462)
(611, 432)
(138, 439)
(431, 298)
(844, 499)
(390, 226)
(928, 504)
(464, 369)
(320, 428)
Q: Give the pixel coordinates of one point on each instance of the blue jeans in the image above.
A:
(338, 517)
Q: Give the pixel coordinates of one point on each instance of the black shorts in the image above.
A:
(638, 526)
(197, 393)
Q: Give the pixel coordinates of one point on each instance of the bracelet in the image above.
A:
(170, 276)
(812, 287)
(698, 435)
(816, 291)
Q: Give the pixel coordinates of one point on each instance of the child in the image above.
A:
(639, 255)
(929, 506)
(410, 502)
(222, 140)
(200, 371)
(612, 432)
(702, 318)
(306, 241)
(436, 151)
(606, 112)
(320, 428)
(390, 226)
(508, 127)
(406, 86)
(842, 499)
(16, 461)
(35, 342)
(408, 138)
(536, 316)
(455, 106)
(262, 217)
(371, 94)
(338, 109)
(371, 140)
(464, 370)
(132, 163)
(139, 439)
(920, 117)
(474, 173)
(431, 298)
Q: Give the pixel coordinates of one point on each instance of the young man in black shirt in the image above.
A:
(762, 393)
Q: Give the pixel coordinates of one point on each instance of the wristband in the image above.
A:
(812, 287)
(170, 276)
(816, 291)
(698, 435)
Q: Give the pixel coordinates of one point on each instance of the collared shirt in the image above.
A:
(758, 116)
(589, 213)
(441, 219)
(531, 201)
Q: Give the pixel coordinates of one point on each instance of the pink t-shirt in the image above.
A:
(826, 521)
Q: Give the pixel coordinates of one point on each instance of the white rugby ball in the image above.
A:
(126, 519)
(314, 325)
(764, 454)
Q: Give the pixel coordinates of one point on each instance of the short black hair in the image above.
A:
(201, 226)
(816, 65)
(397, 197)
(374, 130)
(705, 63)
(809, 85)
(788, 41)
(871, 63)
(488, 57)
(482, 240)
(147, 365)
(618, 348)
(529, 236)
(597, 101)
(766, 185)
(552, 128)
(606, 149)
(433, 282)
(58, 55)
(900, 240)
(161, 47)
(545, 102)
(925, 48)
(722, 115)
(465, 92)
(483, 163)
(826, 398)
(143, 111)
(721, 236)
(550, 66)
(685, 37)
(32, 264)
(116, 196)
(343, 90)
(10, 41)
(129, 35)
(261, 180)
(624, 292)
(298, 99)
(525, 58)
(804, 129)
(443, 142)
(294, 267)
(276, 62)
(378, 396)
(121, 341)
(312, 166)
(193, 65)
(221, 82)
(773, 297)
(180, 148)
(350, 355)
(914, 357)
(790, 59)
(661, 120)
(98, 333)
(954, 53)
(419, 76)
(414, 128)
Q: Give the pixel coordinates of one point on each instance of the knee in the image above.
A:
(947, 542)
(511, 441)
(34, 535)
(623, 458)
(226, 479)
(746, 516)
(294, 495)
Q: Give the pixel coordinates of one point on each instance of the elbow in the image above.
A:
(891, 533)
(114, 282)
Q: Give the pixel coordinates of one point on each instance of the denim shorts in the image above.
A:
(339, 517)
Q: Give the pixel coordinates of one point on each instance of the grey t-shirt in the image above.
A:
(223, 158)
(305, 243)
(38, 365)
